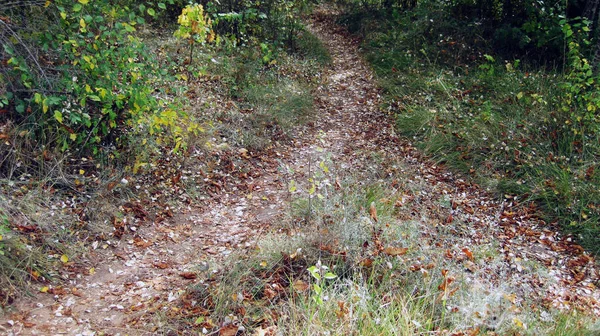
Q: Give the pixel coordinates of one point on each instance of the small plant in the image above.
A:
(195, 27)
(320, 273)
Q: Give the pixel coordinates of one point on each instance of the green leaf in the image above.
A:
(162, 5)
(314, 271)
(84, 2)
(58, 116)
(151, 12)
(76, 8)
(329, 276)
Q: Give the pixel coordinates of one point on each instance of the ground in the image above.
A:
(134, 281)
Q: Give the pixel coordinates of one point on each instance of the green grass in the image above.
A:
(495, 120)
(373, 293)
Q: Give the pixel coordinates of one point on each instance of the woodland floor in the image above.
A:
(142, 275)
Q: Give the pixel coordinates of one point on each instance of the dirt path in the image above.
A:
(139, 279)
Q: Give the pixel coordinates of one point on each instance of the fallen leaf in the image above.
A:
(228, 330)
(139, 242)
(366, 262)
(338, 185)
(188, 275)
(468, 253)
(269, 331)
(395, 251)
(343, 310)
(373, 212)
(269, 293)
(510, 298)
(161, 265)
(471, 266)
(64, 259)
(300, 286)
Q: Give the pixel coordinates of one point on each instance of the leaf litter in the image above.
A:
(169, 239)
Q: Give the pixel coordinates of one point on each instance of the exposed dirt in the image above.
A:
(139, 277)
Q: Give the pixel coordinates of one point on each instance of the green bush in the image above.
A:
(78, 77)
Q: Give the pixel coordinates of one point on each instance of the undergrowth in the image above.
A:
(507, 123)
(54, 201)
(334, 270)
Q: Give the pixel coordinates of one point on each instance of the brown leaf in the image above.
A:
(373, 211)
(366, 262)
(228, 330)
(110, 186)
(188, 275)
(269, 293)
(468, 253)
(449, 219)
(471, 266)
(449, 254)
(161, 265)
(300, 286)
(139, 242)
(395, 251)
(343, 310)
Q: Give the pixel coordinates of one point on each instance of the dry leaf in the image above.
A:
(228, 330)
(471, 266)
(188, 275)
(161, 265)
(300, 286)
(139, 242)
(373, 212)
(395, 251)
(269, 293)
(366, 262)
(468, 253)
(269, 331)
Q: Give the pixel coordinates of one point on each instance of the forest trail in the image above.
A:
(137, 281)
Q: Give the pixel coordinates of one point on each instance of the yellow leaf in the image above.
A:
(73, 136)
(64, 258)
(92, 271)
(81, 171)
(1, 238)
(518, 323)
(263, 264)
(84, 2)
(44, 289)
(48, 2)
